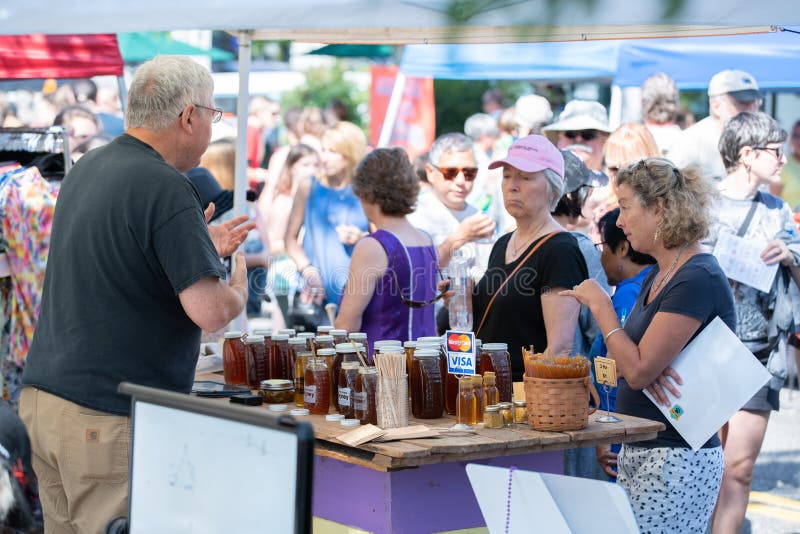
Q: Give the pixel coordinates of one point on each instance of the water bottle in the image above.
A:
(460, 306)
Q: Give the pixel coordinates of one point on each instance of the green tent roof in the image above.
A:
(356, 50)
(143, 46)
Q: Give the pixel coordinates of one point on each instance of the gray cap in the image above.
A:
(737, 83)
(577, 174)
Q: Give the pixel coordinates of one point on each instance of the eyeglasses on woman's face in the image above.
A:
(777, 151)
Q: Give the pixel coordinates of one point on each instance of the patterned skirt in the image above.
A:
(671, 489)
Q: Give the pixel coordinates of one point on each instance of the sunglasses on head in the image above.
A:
(450, 173)
(586, 135)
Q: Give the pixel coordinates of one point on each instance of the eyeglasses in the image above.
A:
(451, 173)
(416, 303)
(586, 135)
(778, 151)
(599, 246)
(215, 117)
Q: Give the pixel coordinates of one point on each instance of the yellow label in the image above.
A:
(605, 371)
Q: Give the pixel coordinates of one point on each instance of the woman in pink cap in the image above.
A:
(517, 301)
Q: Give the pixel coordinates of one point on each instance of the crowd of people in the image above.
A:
(580, 239)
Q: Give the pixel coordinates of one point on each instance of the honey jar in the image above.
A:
(234, 359)
(520, 412)
(492, 418)
(507, 411)
(277, 391)
(339, 336)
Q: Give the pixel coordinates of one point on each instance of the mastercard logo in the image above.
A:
(459, 342)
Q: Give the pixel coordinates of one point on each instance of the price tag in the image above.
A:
(605, 371)
(460, 352)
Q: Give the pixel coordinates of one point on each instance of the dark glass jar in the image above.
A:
(345, 352)
(308, 338)
(365, 397)
(324, 330)
(256, 361)
(234, 359)
(348, 375)
(495, 358)
(427, 388)
(339, 336)
(323, 342)
(279, 357)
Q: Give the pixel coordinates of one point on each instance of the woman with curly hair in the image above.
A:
(664, 212)
(391, 287)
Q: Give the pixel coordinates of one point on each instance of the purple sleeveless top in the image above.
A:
(386, 317)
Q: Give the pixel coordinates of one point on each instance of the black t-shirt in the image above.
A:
(699, 289)
(128, 236)
(516, 315)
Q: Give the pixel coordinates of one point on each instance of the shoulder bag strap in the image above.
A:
(511, 275)
(749, 217)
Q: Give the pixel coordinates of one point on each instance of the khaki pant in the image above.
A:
(80, 457)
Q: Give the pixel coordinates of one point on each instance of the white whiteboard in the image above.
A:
(201, 474)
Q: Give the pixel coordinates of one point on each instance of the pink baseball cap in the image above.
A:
(532, 153)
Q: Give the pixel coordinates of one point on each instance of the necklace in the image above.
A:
(517, 248)
(658, 285)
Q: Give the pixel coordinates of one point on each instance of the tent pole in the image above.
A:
(242, 105)
(123, 93)
(391, 110)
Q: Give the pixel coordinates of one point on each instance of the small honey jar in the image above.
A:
(520, 412)
(277, 391)
(492, 418)
(507, 411)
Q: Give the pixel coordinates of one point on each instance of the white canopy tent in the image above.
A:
(393, 22)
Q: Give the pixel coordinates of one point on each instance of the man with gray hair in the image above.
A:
(443, 211)
(133, 275)
(730, 92)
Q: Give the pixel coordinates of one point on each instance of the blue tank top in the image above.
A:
(326, 209)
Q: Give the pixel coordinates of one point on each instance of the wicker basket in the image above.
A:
(560, 403)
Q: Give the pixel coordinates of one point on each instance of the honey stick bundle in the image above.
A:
(546, 365)
(392, 395)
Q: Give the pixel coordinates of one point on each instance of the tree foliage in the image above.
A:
(324, 85)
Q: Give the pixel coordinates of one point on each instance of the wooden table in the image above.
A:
(420, 485)
(486, 443)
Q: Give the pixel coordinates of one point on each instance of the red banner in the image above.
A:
(415, 125)
(59, 56)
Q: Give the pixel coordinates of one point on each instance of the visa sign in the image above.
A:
(460, 352)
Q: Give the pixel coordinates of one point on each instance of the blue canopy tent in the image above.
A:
(570, 61)
(773, 58)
